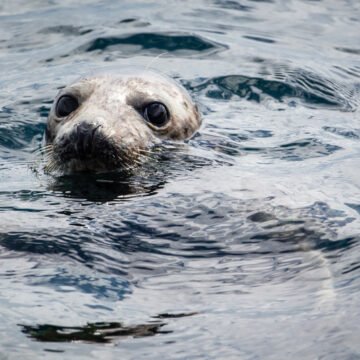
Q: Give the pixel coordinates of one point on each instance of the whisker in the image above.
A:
(45, 150)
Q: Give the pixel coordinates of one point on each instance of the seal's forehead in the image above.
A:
(135, 88)
(136, 81)
(130, 77)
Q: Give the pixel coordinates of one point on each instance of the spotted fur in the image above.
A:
(114, 105)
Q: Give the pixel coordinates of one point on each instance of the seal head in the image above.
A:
(106, 122)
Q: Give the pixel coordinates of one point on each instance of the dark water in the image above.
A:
(241, 244)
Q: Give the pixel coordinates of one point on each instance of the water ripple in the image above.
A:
(298, 150)
(156, 43)
(310, 90)
(252, 225)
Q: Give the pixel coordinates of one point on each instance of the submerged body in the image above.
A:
(106, 122)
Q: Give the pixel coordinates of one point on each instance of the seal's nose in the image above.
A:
(85, 133)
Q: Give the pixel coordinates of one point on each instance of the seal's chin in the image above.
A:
(94, 164)
(87, 165)
(107, 158)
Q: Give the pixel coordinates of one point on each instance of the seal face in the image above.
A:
(106, 122)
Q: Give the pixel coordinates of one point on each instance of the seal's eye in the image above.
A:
(66, 105)
(156, 113)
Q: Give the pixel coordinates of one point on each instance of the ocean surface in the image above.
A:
(241, 243)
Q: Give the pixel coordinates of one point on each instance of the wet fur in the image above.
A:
(114, 104)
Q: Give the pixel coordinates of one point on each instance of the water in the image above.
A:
(242, 243)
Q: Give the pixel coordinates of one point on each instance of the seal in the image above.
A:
(106, 122)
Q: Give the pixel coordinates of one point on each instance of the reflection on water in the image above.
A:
(244, 239)
(96, 333)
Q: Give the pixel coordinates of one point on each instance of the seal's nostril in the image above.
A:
(85, 138)
(95, 129)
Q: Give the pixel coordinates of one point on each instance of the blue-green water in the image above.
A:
(242, 243)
